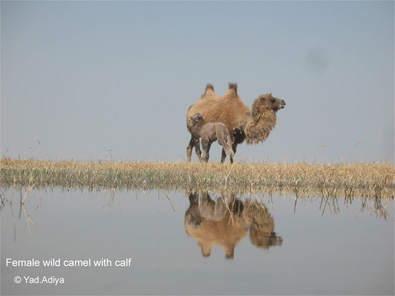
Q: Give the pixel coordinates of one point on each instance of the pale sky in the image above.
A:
(79, 78)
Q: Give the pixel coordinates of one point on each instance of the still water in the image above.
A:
(187, 243)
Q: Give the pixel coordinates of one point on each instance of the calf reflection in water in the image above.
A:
(226, 221)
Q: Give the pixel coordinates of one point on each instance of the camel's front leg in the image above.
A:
(206, 144)
(231, 155)
(234, 137)
(234, 147)
(197, 148)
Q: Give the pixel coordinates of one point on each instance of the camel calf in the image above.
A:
(209, 133)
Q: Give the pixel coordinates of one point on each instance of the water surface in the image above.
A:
(199, 243)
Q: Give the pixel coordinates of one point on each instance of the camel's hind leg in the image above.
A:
(194, 142)
(224, 154)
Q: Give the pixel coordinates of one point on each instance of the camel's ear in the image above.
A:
(195, 117)
(233, 86)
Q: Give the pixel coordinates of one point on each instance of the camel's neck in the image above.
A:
(197, 127)
(259, 127)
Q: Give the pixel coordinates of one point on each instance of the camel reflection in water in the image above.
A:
(226, 221)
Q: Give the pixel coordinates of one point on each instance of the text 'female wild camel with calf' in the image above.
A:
(236, 116)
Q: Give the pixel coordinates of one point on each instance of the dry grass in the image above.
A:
(301, 179)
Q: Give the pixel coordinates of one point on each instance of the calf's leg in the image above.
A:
(206, 144)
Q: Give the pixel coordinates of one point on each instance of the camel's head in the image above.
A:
(267, 102)
(196, 118)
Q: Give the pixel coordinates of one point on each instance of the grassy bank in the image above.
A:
(349, 180)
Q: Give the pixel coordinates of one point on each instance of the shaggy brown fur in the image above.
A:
(231, 111)
(262, 233)
(209, 92)
(226, 221)
(209, 133)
